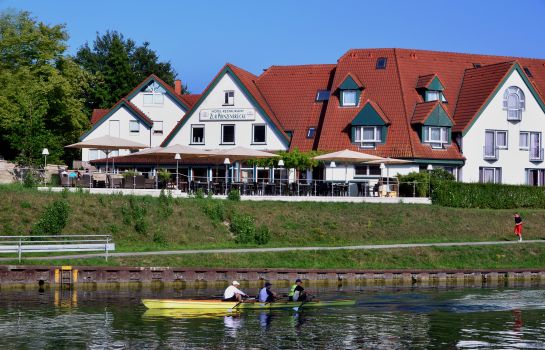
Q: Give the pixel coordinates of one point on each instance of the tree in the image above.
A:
(117, 65)
(40, 99)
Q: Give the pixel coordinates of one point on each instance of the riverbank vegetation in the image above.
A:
(146, 223)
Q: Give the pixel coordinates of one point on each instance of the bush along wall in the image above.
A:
(492, 196)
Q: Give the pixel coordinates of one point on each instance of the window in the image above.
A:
(259, 132)
(368, 136)
(227, 134)
(535, 177)
(367, 170)
(229, 98)
(490, 149)
(433, 95)
(528, 72)
(476, 65)
(524, 140)
(349, 98)
(381, 63)
(437, 136)
(197, 134)
(536, 152)
(134, 126)
(513, 102)
(322, 95)
(501, 139)
(157, 128)
(311, 132)
(490, 175)
(154, 95)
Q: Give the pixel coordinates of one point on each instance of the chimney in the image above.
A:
(178, 86)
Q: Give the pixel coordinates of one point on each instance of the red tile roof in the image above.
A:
(291, 92)
(98, 114)
(190, 99)
(136, 110)
(477, 87)
(422, 111)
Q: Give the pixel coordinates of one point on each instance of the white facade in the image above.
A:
(214, 113)
(157, 105)
(347, 172)
(511, 161)
(117, 125)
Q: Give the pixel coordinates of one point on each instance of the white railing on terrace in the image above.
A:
(53, 244)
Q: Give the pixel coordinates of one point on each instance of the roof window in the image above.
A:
(381, 63)
(528, 72)
(476, 65)
(322, 95)
(311, 132)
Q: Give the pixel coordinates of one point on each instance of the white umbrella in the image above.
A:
(108, 143)
(389, 160)
(348, 156)
(242, 153)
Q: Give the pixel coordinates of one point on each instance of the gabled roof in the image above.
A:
(98, 113)
(135, 111)
(370, 106)
(169, 89)
(190, 99)
(424, 82)
(423, 110)
(351, 77)
(246, 80)
(291, 92)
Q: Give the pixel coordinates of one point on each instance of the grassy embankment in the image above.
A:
(187, 223)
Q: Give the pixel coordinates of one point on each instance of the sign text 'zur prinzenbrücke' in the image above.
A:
(226, 114)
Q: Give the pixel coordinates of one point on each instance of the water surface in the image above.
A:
(384, 318)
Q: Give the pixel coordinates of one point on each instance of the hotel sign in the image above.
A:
(226, 114)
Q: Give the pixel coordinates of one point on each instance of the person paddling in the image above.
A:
(232, 293)
(297, 292)
(266, 295)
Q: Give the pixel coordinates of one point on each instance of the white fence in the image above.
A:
(53, 244)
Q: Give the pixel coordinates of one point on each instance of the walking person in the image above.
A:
(518, 226)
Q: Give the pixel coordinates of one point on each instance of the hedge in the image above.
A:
(492, 196)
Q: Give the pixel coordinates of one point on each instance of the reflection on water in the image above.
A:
(384, 318)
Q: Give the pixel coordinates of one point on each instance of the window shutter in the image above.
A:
(481, 175)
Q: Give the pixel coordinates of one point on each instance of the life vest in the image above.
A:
(292, 291)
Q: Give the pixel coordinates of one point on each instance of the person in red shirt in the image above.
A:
(518, 226)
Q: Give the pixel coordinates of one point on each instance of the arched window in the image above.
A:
(513, 102)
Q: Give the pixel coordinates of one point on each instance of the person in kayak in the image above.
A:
(297, 292)
(232, 293)
(266, 295)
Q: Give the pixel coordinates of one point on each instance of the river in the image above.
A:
(383, 318)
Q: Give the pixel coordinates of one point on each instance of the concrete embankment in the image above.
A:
(81, 276)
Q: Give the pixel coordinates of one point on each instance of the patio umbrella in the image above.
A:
(107, 144)
(348, 156)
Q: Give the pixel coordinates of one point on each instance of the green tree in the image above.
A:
(117, 66)
(40, 99)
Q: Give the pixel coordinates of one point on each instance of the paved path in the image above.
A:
(280, 249)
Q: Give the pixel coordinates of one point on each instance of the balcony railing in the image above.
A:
(536, 154)
(490, 153)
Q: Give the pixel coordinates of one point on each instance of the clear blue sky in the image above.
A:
(198, 37)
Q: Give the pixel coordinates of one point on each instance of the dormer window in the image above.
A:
(432, 95)
(513, 102)
(436, 136)
(368, 136)
(349, 98)
(369, 126)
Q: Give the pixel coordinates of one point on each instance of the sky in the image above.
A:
(199, 37)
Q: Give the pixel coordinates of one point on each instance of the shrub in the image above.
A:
(493, 196)
(215, 210)
(243, 228)
(199, 194)
(30, 179)
(164, 177)
(414, 183)
(53, 219)
(135, 212)
(234, 195)
(262, 235)
(165, 204)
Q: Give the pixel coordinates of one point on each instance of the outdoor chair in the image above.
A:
(99, 180)
(129, 182)
(149, 183)
(139, 181)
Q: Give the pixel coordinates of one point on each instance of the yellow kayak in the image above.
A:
(233, 305)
